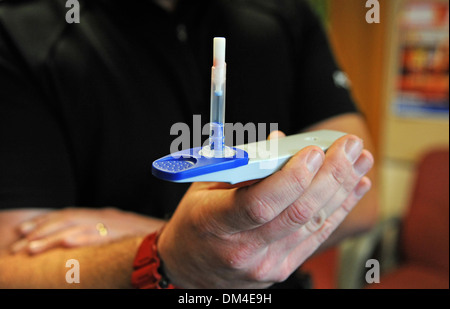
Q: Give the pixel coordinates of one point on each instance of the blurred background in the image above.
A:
(399, 70)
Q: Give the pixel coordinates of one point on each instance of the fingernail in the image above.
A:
(27, 227)
(353, 149)
(19, 245)
(360, 191)
(314, 161)
(36, 245)
(362, 166)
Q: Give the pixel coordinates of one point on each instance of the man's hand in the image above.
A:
(78, 227)
(225, 236)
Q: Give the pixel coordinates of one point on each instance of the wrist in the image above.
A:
(181, 261)
(170, 265)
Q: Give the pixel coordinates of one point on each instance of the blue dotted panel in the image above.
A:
(189, 163)
(174, 165)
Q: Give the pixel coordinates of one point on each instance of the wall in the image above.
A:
(403, 140)
(369, 55)
(360, 50)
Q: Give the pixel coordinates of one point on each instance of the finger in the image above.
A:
(360, 169)
(260, 203)
(319, 219)
(28, 226)
(76, 236)
(86, 238)
(309, 245)
(276, 134)
(54, 240)
(52, 225)
(19, 246)
(332, 175)
(294, 249)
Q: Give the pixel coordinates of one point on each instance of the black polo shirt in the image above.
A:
(85, 108)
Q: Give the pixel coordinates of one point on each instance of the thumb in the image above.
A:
(276, 134)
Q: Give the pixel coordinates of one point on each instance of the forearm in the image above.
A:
(106, 266)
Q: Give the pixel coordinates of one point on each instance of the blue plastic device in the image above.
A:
(250, 161)
(218, 162)
(190, 163)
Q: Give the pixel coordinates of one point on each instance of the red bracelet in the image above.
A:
(148, 272)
